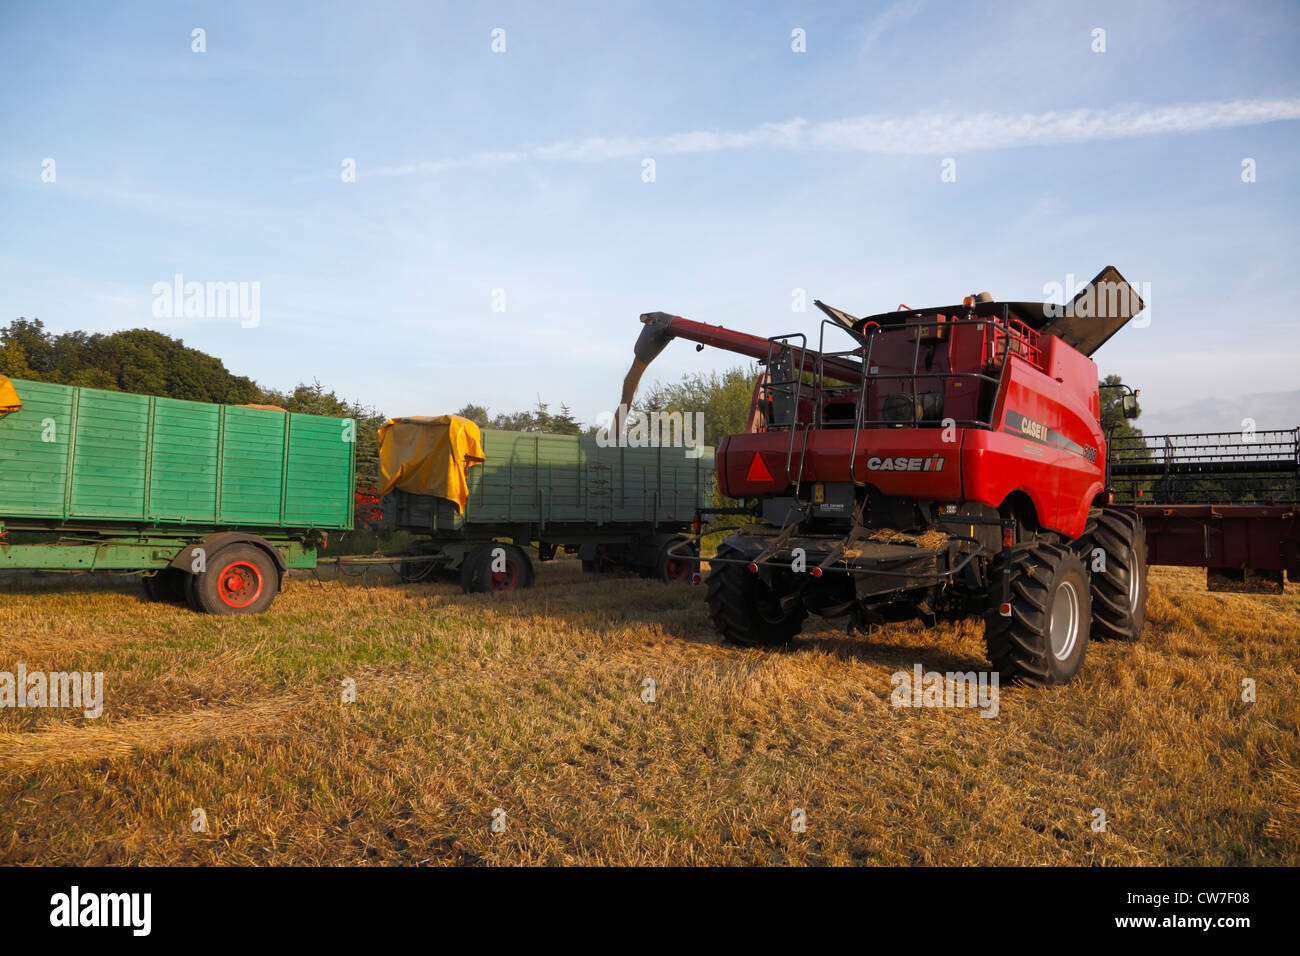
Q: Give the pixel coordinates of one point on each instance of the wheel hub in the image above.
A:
(1064, 626)
(507, 580)
(239, 584)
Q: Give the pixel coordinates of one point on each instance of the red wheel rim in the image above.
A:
(239, 584)
(678, 572)
(507, 580)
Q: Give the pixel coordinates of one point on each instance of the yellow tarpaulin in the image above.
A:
(9, 400)
(429, 456)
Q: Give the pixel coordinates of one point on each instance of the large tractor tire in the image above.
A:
(1119, 573)
(239, 579)
(513, 571)
(744, 610)
(1045, 638)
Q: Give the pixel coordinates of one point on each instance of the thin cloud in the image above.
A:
(896, 14)
(920, 134)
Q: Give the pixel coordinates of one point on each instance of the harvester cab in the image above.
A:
(936, 462)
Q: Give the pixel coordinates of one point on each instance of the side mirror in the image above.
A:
(1129, 405)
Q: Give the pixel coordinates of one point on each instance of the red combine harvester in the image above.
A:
(950, 462)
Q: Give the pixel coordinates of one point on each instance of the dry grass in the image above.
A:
(532, 703)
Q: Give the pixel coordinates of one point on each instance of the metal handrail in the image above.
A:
(1014, 337)
(787, 387)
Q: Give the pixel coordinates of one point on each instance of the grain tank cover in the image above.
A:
(1099, 310)
(426, 455)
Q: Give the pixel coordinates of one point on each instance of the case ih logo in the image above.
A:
(1032, 428)
(933, 463)
(1021, 424)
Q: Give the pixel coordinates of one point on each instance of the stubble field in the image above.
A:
(532, 704)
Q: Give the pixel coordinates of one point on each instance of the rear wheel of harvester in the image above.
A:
(496, 567)
(1045, 638)
(168, 585)
(744, 610)
(1119, 573)
(240, 579)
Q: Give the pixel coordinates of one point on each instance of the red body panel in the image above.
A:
(919, 465)
(1045, 441)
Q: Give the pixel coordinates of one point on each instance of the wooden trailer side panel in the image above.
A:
(88, 455)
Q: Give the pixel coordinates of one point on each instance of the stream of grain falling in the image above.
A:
(630, 382)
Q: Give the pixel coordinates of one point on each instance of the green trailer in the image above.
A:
(210, 503)
(615, 507)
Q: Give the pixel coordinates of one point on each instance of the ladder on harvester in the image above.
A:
(782, 392)
(861, 352)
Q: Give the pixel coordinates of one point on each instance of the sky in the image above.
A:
(442, 204)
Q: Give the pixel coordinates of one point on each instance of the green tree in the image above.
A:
(1124, 441)
(137, 360)
(723, 397)
(13, 361)
(541, 419)
(551, 424)
(1112, 410)
(478, 414)
(27, 349)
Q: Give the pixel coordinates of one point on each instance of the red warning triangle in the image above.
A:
(757, 471)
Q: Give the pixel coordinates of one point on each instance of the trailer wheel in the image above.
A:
(744, 610)
(240, 579)
(1119, 588)
(1045, 638)
(602, 563)
(671, 569)
(514, 571)
(167, 586)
